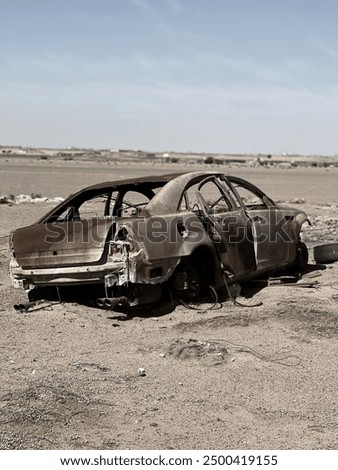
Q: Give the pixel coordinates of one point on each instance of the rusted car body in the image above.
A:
(129, 241)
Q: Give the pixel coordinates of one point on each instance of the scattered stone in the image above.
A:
(141, 372)
(26, 199)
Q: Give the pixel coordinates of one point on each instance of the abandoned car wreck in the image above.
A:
(132, 241)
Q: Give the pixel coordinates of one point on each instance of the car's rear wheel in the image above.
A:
(324, 254)
(194, 276)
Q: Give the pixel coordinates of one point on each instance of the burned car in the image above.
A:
(129, 242)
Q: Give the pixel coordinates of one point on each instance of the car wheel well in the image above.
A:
(195, 273)
(204, 260)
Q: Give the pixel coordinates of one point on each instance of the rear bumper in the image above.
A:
(22, 278)
(135, 269)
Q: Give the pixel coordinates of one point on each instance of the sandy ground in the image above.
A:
(223, 377)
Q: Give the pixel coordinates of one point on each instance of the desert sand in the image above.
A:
(221, 377)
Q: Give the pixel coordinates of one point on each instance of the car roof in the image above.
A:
(131, 182)
(166, 200)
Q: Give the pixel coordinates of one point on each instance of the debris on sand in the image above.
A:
(298, 200)
(89, 366)
(142, 372)
(194, 349)
(26, 199)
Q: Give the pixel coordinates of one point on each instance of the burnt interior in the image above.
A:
(111, 201)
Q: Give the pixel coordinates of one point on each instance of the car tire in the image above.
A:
(324, 254)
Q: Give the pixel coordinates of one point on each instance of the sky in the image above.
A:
(218, 76)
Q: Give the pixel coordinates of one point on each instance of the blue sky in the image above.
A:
(229, 76)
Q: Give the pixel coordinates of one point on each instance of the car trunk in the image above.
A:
(62, 244)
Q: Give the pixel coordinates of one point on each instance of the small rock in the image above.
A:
(141, 372)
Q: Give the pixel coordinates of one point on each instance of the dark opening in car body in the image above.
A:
(129, 241)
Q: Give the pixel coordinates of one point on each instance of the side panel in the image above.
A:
(276, 235)
(236, 245)
(173, 235)
(160, 243)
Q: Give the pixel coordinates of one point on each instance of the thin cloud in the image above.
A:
(144, 5)
(175, 6)
(328, 50)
